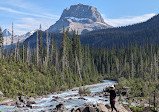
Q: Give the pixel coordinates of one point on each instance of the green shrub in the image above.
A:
(84, 90)
(136, 109)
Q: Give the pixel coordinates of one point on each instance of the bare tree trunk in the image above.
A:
(17, 51)
(155, 65)
(47, 44)
(52, 52)
(151, 71)
(6, 47)
(132, 66)
(57, 61)
(78, 66)
(28, 54)
(12, 38)
(23, 52)
(37, 49)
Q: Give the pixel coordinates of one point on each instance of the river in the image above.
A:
(69, 98)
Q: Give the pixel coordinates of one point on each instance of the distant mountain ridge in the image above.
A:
(7, 37)
(6, 33)
(140, 33)
(82, 18)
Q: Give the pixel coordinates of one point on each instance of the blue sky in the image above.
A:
(27, 15)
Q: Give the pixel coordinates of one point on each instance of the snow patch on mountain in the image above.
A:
(7, 34)
(82, 18)
(77, 19)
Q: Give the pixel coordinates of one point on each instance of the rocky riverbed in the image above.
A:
(68, 100)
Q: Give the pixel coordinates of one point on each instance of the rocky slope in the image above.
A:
(90, 108)
(82, 18)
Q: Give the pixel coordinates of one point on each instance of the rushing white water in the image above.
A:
(69, 98)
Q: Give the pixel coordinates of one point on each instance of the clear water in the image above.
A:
(48, 103)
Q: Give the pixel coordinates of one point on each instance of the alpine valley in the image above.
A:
(72, 65)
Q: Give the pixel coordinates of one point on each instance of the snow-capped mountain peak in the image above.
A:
(7, 36)
(7, 33)
(82, 18)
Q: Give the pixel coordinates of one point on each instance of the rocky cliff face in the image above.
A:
(82, 18)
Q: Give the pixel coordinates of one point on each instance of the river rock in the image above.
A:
(91, 108)
(82, 98)
(101, 108)
(18, 103)
(31, 99)
(103, 100)
(31, 102)
(33, 107)
(57, 99)
(11, 103)
(119, 107)
(60, 108)
(23, 99)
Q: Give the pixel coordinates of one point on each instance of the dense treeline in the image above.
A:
(46, 68)
(138, 33)
(129, 62)
(136, 67)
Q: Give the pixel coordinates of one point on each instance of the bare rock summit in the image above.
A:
(82, 18)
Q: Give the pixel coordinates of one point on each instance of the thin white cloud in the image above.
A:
(10, 10)
(29, 24)
(128, 20)
(24, 4)
(29, 14)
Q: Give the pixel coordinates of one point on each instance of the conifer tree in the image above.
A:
(47, 48)
(40, 47)
(28, 54)
(64, 53)
(37, 49)
(52, 51)
(1, 43)
(12, 39)
(17, 51)
(23, 52)
(57, 65)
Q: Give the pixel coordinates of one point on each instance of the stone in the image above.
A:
(57, 99)
(31, 99)
(22, 99)
(31, 102)
(60, 107)
(119, 107)
(101, 108)
(82, 98)
(18, 103)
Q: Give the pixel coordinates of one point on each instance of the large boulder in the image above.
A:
(119, 107)
(101, 108)
(31, 102)
(58, 99)
(31, 99)
(60, 108)
(22, 99)
(90, 108)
